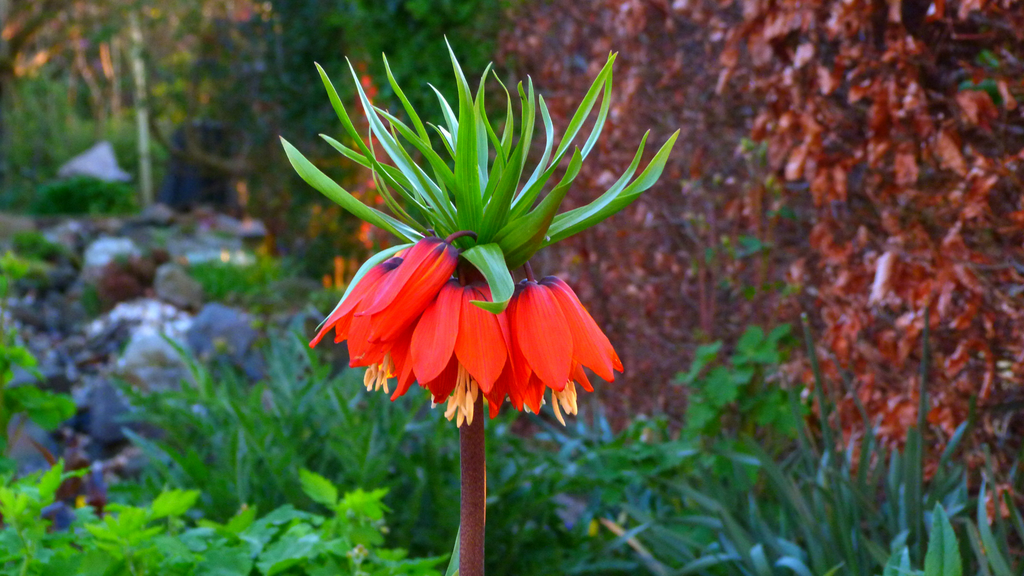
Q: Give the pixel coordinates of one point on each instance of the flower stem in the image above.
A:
(474, 493)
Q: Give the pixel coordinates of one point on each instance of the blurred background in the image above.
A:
(844, 166)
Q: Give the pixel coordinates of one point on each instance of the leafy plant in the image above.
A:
(159, 537)
(84, 195)
(823, 510)
(46, 409)
(34, 245)
(741, 393)
(241, 443)
(223, 281)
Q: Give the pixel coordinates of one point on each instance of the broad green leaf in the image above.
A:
(318, 488)
(612, 201)
(173, 503)
(943, 556)
(317, 179)
(453, 564)
(490, 261)
(370, 263)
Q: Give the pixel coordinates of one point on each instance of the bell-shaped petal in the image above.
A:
(541, 333)
(433, 339)
(590, 346)
(480, 346)
(442, 386)
(425, 268)
(341, 318)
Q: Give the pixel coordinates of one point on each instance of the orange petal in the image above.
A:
(519, 375)
(413, 295)
(401, 356)
(480, 345)
(542, 334)
(341, 318)
(362, 352)
(497, 394)
(590, 346)
(433, 339)
(534, 394)
(580, 377)
(442, 386)
(412, 259)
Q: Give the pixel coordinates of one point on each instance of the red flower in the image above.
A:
(553, 338)
(378, 315)
(458, 350)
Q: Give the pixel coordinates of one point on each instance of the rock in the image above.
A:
(25, 439)
(96, 162)
(141, 314)
(155, 215)
(152, 363)
(70, 234)
(11, 224)
(106, 408)
(174, 285)
(107, 249)
(220, 331)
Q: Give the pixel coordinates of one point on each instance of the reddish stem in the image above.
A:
(460, 234)
(473, 511)
(529, 272)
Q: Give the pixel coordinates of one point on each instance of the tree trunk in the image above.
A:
(141, 111)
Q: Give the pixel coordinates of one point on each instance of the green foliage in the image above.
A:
(244, 444)
(34, 245)
(236, 283)
(160, 538)
(83, 195)
(822, 510)
(46, 128)
(44, 408)
(742, 392)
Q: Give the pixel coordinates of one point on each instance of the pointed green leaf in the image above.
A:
(427, 190)
(449, 119)
(522, 237)
(453, 564)
(317, 179)
(943, 556)
(614, 200)
(490, 261)
(318, 488)
(467, 169)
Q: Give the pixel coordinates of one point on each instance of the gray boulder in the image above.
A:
(105, 250)
(219, 331)
(151, 363)
(175, 286)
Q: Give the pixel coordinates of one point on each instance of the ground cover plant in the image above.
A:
(42, 535)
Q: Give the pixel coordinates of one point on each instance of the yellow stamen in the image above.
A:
(463, 399)
(566, 398)
(376, 376)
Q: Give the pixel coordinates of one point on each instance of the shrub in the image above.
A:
(84, 195)
(160, 538)
(223, 281)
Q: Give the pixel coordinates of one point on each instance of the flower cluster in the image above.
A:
(408, 319)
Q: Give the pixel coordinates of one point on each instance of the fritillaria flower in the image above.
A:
(447, 314)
